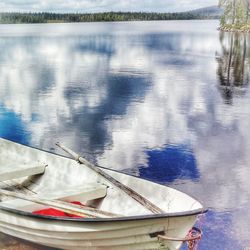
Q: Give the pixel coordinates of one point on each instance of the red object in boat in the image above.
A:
(58, 213)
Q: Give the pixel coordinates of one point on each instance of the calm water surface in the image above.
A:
(167, 101)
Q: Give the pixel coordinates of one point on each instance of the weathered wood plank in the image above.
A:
(18, 171)
(68, 194)
(63, 206)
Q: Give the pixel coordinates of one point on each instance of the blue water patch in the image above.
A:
(12, 127)
(170, 163)
(219, 227)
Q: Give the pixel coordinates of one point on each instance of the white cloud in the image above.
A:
(102, 5)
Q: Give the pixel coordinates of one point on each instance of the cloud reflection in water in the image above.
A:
(132, 96)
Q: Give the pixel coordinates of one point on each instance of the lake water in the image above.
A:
(168, 101)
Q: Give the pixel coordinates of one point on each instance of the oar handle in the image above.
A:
(129, 191)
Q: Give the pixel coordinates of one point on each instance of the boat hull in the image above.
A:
(73, 234)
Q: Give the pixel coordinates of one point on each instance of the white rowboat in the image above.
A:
(32, 179)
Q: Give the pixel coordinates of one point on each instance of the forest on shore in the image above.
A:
(46, 17)
(236, 16)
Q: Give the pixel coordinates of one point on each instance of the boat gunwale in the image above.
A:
(117, 219)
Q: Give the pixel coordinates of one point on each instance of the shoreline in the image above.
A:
(243, 29)
(111, 21)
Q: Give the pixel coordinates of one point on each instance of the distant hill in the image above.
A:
(209, 12)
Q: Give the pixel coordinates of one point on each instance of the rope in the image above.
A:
(191, 239)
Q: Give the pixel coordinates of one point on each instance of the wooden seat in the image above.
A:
(68, 208)
(78, 193)
(68, 194)
(14, 171)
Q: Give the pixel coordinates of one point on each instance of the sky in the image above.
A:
(84, 6)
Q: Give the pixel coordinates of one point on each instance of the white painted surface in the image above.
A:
(128, 234)
(77, 193)
(14, 171)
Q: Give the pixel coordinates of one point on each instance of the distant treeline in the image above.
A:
(45, 17)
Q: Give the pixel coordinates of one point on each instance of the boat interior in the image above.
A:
(21, 181)
(32, 180)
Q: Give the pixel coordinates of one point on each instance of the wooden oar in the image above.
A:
(63, 206)
(133, 194)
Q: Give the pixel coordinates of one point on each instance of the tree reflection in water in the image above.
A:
(233, 64)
